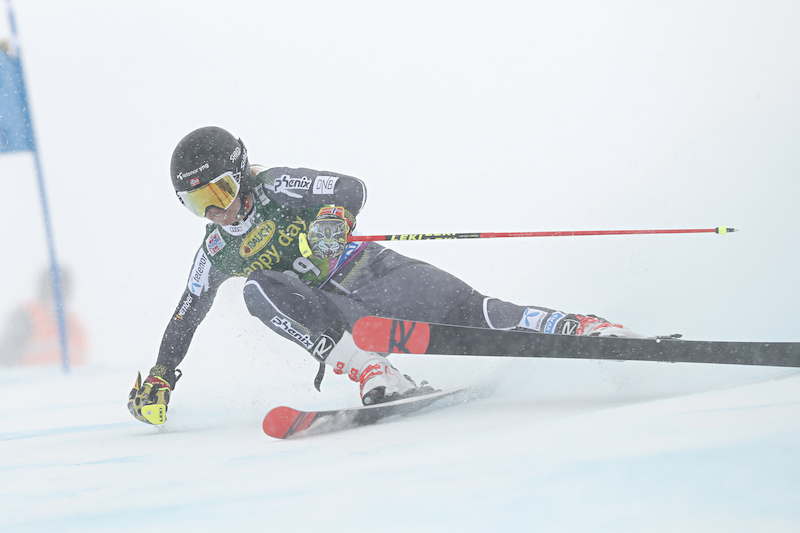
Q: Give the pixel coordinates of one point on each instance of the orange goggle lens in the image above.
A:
(220, 192)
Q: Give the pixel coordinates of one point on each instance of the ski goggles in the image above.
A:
(219, 192)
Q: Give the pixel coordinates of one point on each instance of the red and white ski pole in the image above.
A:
(721, 230)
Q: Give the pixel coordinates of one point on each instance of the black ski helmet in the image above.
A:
(209, 167)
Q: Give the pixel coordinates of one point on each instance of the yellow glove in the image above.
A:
(148, 402)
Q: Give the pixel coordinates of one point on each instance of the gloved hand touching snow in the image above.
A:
(148, 401)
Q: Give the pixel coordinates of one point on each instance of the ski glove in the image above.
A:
(327, 235)
(148, 402)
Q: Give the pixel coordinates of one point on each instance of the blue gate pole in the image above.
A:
(54, 271)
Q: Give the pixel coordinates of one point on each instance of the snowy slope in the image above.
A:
(559, 446)
(459, 116)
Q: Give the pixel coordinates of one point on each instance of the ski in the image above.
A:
(284, 422)
(386, 335)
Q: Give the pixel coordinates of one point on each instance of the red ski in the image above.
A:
(283, 422)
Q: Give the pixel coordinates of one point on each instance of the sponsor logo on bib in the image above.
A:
(257, 239)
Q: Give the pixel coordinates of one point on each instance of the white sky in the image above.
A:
(460, 116)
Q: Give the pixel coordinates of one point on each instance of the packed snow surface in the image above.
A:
(552, 445)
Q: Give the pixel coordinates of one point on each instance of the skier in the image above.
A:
(285, 230)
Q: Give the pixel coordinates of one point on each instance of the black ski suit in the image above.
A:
(301, 298)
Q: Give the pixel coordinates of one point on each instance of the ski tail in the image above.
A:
(385, 335)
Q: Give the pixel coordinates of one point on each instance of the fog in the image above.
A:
(460, 117)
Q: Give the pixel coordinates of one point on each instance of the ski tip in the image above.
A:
(282, 422)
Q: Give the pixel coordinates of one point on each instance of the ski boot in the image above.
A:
(378, 380)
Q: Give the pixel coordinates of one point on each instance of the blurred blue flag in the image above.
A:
(16, 133)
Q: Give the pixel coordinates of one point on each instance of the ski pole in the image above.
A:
(721, 230)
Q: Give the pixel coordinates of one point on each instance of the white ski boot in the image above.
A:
(379, 380)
